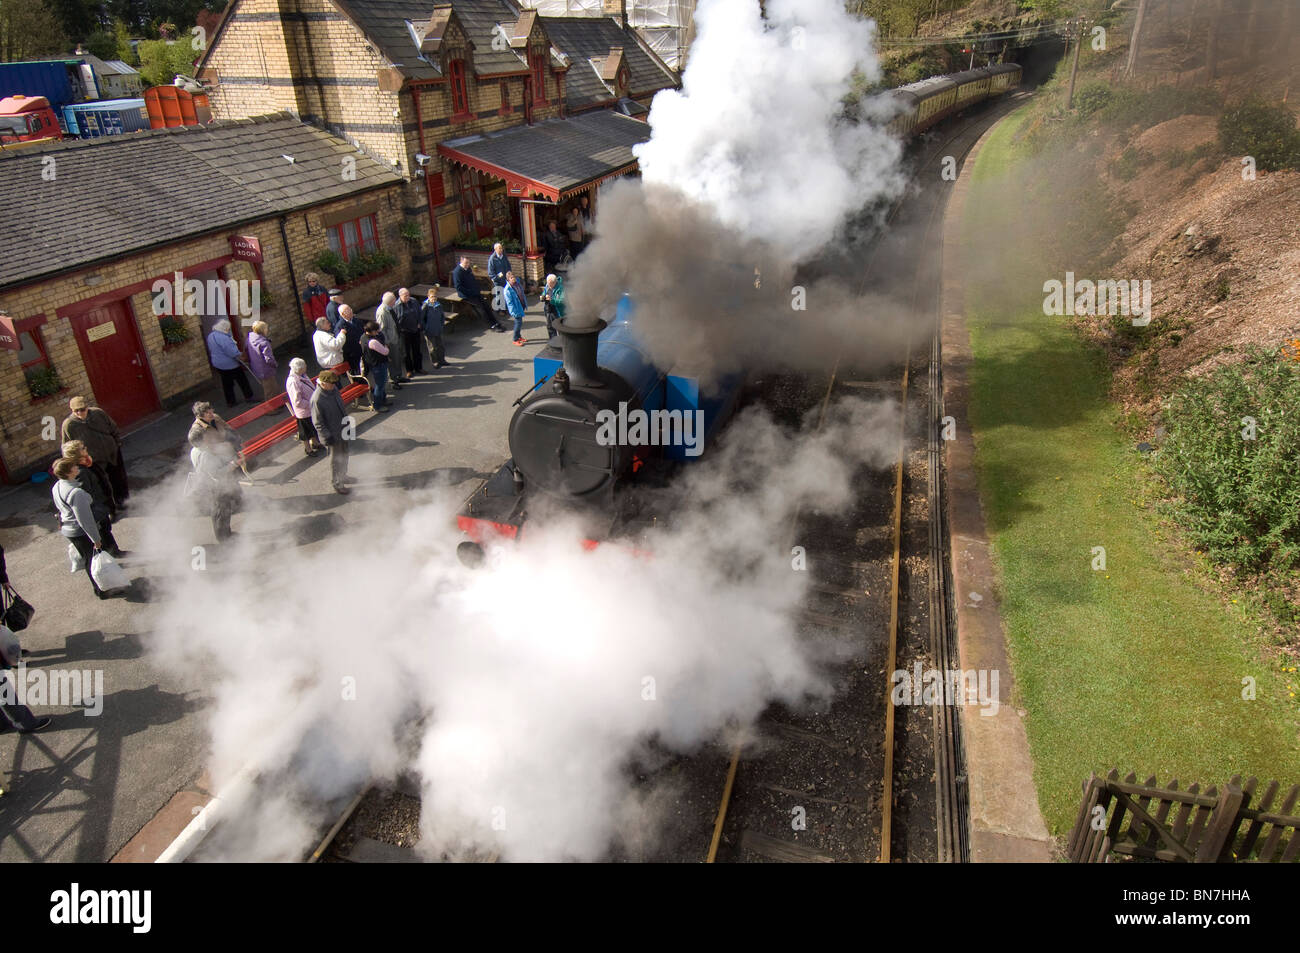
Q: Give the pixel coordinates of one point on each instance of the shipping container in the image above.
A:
(62, 82)
(111, 117)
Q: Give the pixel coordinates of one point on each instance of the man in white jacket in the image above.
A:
(329, 346)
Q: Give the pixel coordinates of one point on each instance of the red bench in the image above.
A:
(270, 437)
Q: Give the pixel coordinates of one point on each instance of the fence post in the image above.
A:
(1222, 826)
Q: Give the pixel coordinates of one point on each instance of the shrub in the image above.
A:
(1093, 98)
(1126, 165)
(511, 246)
(174, 330)
(1266, 132)
(332, 263)
(43, 381)
(1239, 496)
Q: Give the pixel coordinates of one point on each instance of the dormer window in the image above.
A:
(458, 90)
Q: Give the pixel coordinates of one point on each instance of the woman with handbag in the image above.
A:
(299, 388)
(77, 521)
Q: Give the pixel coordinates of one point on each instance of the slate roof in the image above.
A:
(384, 22)
(588, 38)
(119, 194)
(559, 154)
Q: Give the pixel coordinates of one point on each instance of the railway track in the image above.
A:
(820, 785)
(821, 763)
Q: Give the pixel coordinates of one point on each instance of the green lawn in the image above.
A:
(1134, 667)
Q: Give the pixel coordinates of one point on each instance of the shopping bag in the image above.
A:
(18, 611)
(75, 562)
(106, 572)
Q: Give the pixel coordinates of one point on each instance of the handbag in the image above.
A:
(18, 611)
(75, 562)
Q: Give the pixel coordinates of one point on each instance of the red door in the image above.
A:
(115, 362)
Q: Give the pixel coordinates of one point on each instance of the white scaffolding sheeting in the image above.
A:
(663, 24)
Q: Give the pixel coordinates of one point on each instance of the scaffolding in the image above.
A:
(665, 25)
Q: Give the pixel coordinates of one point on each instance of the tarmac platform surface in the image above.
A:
(85, 786)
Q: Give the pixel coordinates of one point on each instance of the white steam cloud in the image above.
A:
(522, 693)
(519, 692)
(753, 168)
(757, 134)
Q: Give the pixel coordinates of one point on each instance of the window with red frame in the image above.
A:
(349, 239)
(537, 65)
(32, 356)
(506, 108)
(459, 91)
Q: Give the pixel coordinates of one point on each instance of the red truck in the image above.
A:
(27, 119)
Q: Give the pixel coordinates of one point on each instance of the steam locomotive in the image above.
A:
(600, 410)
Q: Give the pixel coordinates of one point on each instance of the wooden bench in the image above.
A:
(270, 437)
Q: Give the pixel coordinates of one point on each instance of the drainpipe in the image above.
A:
(428, 191)
(293, 281)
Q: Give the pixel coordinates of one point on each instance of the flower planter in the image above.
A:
(45, 397)
(365, 279)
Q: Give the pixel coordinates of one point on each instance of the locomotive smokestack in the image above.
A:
(579, 343)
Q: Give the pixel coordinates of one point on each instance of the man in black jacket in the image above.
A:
(331, 422)
(466, 285)
(409, 325)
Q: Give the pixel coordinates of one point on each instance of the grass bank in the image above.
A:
(1139, 665)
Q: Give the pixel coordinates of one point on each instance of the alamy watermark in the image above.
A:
(1131, 298)
(651, 428)
(59, 687)
(195, 297)
(932, 686)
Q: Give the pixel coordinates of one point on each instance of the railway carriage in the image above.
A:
(929, 101)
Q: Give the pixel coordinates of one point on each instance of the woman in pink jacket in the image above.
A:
(299, 389)
(261, 359)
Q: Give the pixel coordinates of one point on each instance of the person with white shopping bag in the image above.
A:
(78, 525)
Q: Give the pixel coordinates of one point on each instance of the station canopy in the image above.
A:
(553, 159)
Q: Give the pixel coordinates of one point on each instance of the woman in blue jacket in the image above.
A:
(515, 304)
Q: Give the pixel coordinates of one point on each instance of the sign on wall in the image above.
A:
(8, 334)
(245, 248)
(101, 331)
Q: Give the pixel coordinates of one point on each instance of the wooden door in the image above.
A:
(115, 362)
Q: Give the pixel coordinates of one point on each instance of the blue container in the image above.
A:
(112, 117)
(62, 82)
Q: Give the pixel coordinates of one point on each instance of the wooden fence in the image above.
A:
(1153, 823)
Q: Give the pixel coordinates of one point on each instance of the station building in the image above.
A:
(90, 227)
(495, 117)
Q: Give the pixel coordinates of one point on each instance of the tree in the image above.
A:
(103, 44)
(125, 51)
(160, 61)
(28, 28)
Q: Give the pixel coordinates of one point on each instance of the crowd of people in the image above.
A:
(386, 350)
